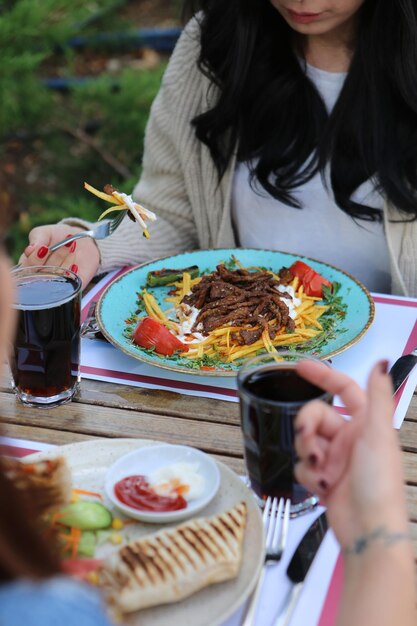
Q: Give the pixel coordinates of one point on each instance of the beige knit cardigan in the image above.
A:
(180, 183)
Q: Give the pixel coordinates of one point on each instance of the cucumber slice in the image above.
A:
(88, 543)
(86, 516)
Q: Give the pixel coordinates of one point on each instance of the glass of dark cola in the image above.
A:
(45, 361)
(271, 394)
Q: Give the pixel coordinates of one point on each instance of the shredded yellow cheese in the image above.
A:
(123, 203)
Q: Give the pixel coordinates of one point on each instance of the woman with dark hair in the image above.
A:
(292, 124)
(285, 124)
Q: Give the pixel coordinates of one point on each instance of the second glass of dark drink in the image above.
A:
(45, 361)
(271, 394)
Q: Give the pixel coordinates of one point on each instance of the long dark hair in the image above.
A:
(272, 114)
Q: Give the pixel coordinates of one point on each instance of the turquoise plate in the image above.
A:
(118, 302)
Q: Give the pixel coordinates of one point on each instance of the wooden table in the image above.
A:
(111, 410)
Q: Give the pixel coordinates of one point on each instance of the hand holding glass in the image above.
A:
(271, 394)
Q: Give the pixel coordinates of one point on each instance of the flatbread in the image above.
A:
(174, 563)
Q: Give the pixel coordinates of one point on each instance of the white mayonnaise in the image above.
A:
(131, 204)
(179, 478)
(291, 302)
(187, 316)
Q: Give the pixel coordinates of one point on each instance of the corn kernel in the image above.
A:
(117, 523)
(92, 578)
(116, 538)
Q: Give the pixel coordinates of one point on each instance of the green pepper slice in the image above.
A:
(166, 276)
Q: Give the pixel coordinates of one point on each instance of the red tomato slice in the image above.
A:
(313, 285)
(299, 269)
(79, 567)
(152, 334)
(311, 280)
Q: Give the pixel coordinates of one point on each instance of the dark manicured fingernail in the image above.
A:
(73, 246)
(383, 366)
(42, 252)
(68, 245)
(312, 459)
(298, 430)
(74, 268)
(323, 485)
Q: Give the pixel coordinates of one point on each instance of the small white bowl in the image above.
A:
(146, 460)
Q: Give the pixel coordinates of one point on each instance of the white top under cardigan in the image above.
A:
(320, 229)
(180, 183)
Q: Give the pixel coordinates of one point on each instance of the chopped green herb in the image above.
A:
(205, 361)
(330, 297)
(231, 264)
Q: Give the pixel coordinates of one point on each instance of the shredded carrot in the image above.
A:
(76, 538)
(84, 492)
(71, 541)
(56, 517)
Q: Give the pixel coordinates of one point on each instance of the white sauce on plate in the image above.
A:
(291, 303)
(179, 478)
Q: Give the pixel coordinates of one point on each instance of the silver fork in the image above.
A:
(275, 517)
(101, 231)
(89, 327)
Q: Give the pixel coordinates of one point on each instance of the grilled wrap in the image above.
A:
(47, 484)
(174, 563)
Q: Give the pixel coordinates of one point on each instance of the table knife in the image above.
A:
(402, 368)
(299, 565)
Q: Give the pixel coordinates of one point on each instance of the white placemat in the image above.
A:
(393, 333)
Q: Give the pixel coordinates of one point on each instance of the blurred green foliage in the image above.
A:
(51, 142)
(30, 32)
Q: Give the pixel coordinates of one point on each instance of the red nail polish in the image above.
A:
(298, 430)
(383, 366)
(73, 246)
(42, 252)
(68, 245)
(323, 485)
(74, 268)
(312, 459)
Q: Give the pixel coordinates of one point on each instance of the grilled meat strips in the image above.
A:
(239, 297)
(175, 563)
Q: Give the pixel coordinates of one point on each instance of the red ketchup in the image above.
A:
(135, 491)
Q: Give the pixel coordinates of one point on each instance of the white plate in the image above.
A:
(89, 462)
(145, 461)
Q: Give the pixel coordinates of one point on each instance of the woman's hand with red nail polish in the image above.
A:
(357, 468)
(82, 253)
